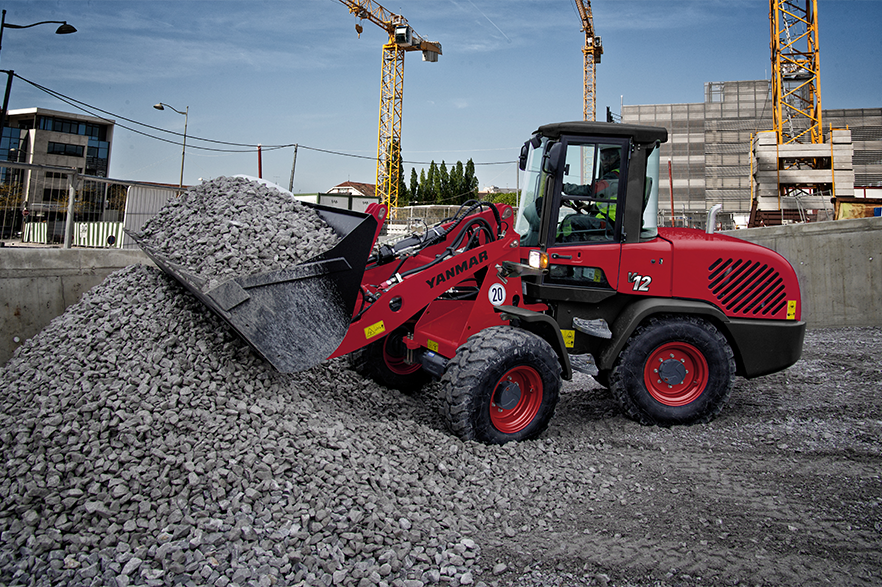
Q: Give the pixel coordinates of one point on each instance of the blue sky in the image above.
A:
(279, 72)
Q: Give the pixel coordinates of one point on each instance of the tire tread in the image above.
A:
(625, 363)
(472, 360)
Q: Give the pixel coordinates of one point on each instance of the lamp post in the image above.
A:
(64, 29)
(186, 115)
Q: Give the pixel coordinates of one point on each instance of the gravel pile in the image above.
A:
(143, 443)
(234, 227)
(143, 449)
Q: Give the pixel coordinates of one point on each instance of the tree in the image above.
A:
(457, 181)
(470, 180)
(414, 186)
(510, 198)
(404, 196)
(424, 190)
(431, 184)
(442, 184)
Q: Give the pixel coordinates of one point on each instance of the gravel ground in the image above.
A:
(140, 449)
(143, 443)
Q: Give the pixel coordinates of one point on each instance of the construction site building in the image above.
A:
(709, 154)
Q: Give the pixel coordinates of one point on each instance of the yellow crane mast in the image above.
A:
(592, 51)
(796, 75)
(402, 38)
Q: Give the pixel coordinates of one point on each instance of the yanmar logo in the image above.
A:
(457, 269)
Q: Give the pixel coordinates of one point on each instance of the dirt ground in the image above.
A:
(783, 488)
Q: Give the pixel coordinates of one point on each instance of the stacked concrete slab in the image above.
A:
(772, 166)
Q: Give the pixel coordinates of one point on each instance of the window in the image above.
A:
(587, 209)
(96, 131)
(9, 144)
(714, 92)
(66, 149)
(98, 149)
(54, 195)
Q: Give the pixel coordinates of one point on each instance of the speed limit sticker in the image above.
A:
(497, 294)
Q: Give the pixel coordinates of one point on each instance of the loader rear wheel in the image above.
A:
(384, 362)
(502, 385)
(674, 370)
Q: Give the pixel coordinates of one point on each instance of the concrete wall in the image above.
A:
(839, 265)
(38, 284)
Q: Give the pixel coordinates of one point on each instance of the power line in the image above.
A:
(247, 148)
(91, 110)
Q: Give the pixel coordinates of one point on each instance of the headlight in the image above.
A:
(538, 259)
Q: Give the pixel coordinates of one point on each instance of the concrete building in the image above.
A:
(60, 139)
(708, 151)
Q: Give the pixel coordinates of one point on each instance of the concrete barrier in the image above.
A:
(839, 265)
(38, 284)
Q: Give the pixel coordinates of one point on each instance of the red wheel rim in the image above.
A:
(675, 374)
(395, 360)
(523, 384)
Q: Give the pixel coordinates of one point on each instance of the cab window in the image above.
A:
(590, 192)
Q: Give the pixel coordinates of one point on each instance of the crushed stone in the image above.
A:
(236, 227)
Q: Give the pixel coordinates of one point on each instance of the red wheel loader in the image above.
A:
(502, 304)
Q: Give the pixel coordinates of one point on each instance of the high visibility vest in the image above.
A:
(607, 208)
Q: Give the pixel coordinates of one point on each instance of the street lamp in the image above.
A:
(64, 29)
(186, 115)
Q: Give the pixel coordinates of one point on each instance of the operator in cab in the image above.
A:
(604, 189)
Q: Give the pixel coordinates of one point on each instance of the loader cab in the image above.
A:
(588, 189)
(589, 182)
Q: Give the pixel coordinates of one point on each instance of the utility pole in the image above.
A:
(293, 165)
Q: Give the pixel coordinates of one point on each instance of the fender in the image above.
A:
(631, 317)
(545, 327)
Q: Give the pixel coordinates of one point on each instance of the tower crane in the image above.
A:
(402, 38)
(592, 51)
(794, 168)
(796, 76)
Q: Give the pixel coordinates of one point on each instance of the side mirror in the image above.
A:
(533, 142)
(551, 160)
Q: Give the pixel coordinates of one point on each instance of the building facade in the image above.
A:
(59, 139)
(707, 159)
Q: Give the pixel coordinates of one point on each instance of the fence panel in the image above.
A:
(35, 204)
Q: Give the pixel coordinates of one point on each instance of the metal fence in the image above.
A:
(41, 204)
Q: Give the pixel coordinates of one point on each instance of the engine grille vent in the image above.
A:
(747, 288)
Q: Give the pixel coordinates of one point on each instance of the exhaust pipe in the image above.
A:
(712, 218)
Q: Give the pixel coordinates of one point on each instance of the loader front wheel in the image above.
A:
(674, 370)
(502, 385)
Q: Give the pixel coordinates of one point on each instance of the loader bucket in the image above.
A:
(296, 317)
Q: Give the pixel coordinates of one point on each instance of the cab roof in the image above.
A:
(640, 134)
